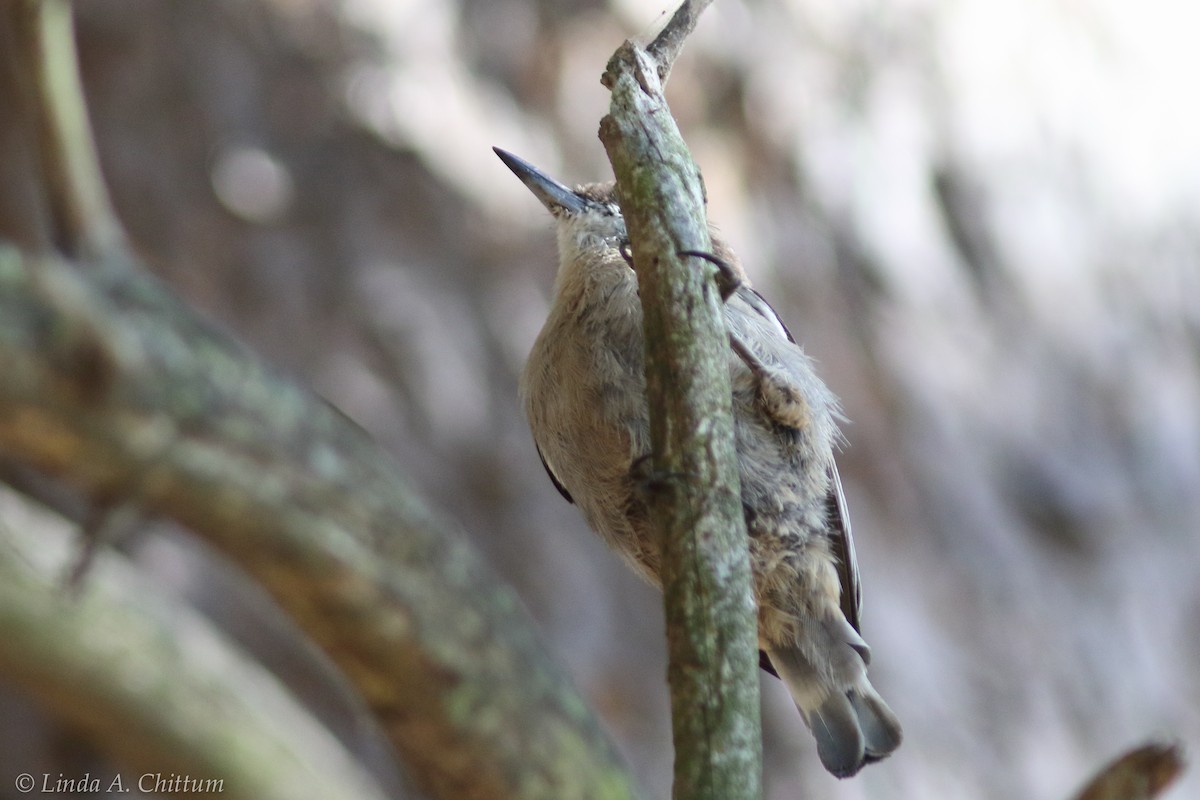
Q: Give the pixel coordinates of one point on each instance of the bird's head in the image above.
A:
(589, 219)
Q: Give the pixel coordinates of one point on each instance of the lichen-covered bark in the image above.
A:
(114, 387)
(712, 633)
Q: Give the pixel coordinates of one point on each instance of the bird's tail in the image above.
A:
(852, 724)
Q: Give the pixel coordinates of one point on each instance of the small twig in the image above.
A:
(106, 524)
(83, 223)
(666, 46)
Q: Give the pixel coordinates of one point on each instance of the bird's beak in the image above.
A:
(554, 196)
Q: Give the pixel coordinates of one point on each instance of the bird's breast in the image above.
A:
(584, 385)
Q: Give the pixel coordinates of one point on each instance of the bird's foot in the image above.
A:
(781, 398)
(649, 481)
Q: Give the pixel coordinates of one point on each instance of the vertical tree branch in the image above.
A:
(708, 595)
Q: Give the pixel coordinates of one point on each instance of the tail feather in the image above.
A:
(880, 728)
(840, 742)
(851, 723)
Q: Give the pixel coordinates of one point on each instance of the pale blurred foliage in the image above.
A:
(980, 217)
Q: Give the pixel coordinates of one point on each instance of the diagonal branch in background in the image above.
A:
(114, 387)
(710, 609)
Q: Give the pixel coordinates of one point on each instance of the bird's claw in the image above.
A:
(626, 251)
(727, 277)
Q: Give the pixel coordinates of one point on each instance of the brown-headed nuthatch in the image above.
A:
(584, 391)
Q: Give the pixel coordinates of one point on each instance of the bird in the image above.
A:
(584, 392)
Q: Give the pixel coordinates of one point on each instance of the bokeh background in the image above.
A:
(981, 218)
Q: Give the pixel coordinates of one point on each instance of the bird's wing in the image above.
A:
(554, 478)
(835, 502)
(759, 304)
(843, 548)
(839, 518)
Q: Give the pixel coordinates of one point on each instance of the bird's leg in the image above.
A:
(781, 397)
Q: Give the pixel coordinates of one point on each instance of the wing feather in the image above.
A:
(554, 478)
(843, 549)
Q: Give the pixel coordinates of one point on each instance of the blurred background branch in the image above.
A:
(153, 680)
(81, 218)
(1141, 774)
(115, 389)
